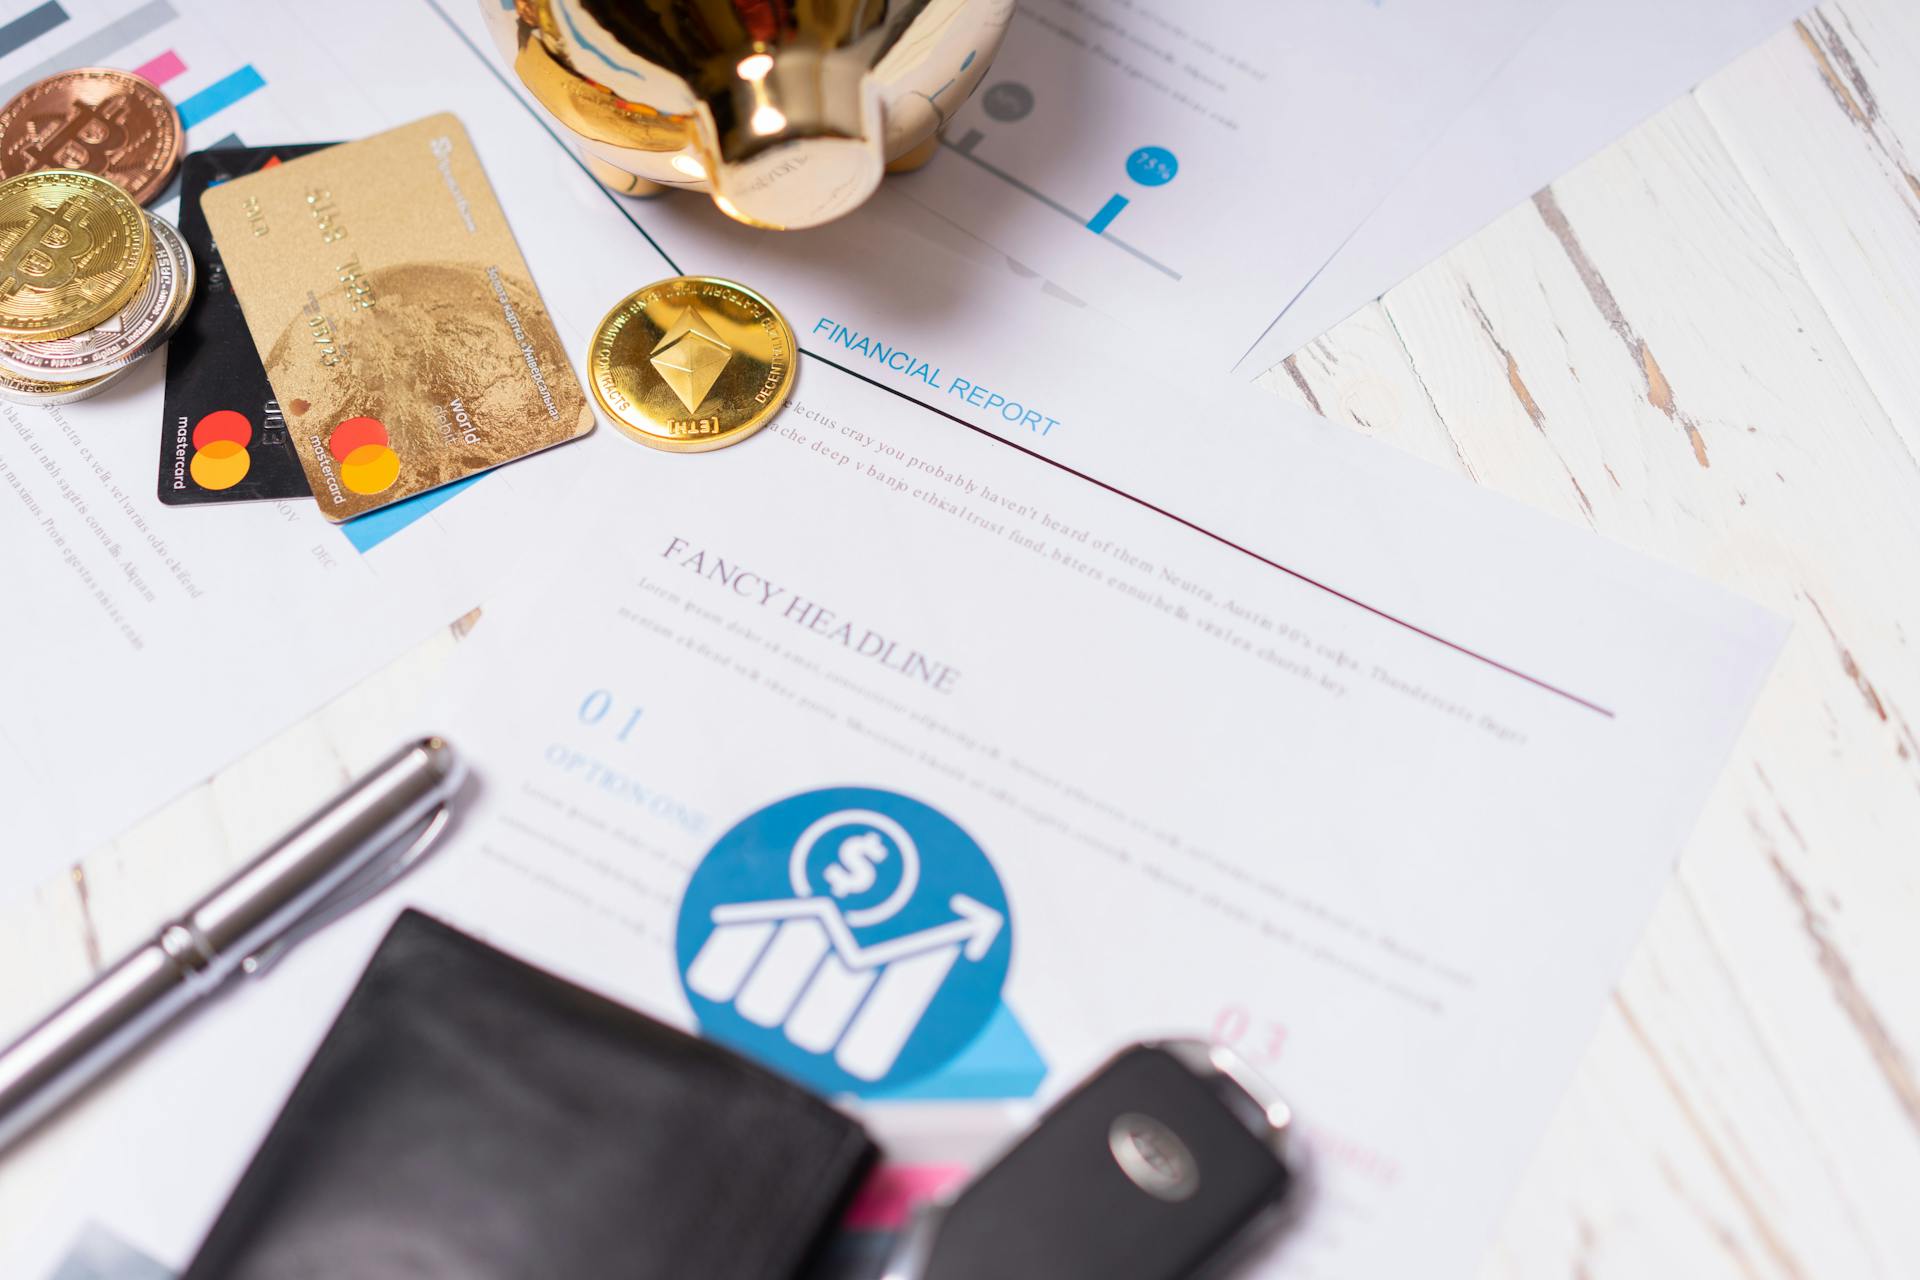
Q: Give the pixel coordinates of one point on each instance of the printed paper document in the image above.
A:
(1590, 72)
(1374, 778)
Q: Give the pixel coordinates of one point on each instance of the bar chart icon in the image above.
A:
(855, 938)
(793, 963)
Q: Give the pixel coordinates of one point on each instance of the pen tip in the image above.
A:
(441, 756)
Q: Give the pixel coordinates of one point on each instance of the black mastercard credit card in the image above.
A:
(223, 438)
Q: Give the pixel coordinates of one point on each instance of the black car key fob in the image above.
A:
(1168, 1163)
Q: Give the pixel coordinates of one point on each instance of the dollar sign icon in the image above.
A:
(72, 140)
(854, 872)
(44, 255)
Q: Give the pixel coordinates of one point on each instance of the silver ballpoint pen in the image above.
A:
(357, 844)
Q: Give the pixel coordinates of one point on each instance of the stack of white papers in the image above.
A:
(1255, 730)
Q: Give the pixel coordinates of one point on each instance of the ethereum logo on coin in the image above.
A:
(690, 358)
(670, 332)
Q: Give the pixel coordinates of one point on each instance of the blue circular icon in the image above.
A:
(1152, 166)
(853, 938)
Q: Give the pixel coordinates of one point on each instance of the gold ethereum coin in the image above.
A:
(73, 250)
(692, 363)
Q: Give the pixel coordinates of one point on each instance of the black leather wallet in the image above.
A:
(472, 1116)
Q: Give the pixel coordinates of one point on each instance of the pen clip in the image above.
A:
(350, 893)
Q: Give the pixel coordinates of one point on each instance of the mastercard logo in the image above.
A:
(220, 458)
(367, 465)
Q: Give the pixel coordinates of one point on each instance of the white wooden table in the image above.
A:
(1705, 343)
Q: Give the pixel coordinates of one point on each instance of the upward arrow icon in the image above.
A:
(976, 926)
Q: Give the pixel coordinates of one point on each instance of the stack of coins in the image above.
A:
(89, 281)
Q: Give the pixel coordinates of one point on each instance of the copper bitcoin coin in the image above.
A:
(106, 122)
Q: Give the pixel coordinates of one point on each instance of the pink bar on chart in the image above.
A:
(890, 1195)
(161, 69)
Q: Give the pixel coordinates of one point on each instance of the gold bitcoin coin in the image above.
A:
(692, 363)
(135, 331)
(73, 250)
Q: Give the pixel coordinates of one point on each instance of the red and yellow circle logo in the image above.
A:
(220, 458)
(367, 465)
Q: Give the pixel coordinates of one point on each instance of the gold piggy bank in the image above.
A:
(786, 112)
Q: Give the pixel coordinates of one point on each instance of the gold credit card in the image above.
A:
(395, 316)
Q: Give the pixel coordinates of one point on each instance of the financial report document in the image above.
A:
(929, 759)
(1397, 865)
(1191, 714)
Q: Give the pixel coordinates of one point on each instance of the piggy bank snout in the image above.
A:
(786, 120)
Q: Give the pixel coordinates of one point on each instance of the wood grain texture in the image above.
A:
(1704, 343)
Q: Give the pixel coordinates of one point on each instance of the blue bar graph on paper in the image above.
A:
(31, 25)
(99, 47)
(1108, 212)
(376, 527)
(220, 95)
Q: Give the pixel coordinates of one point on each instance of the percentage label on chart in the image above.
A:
(1152, 166)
